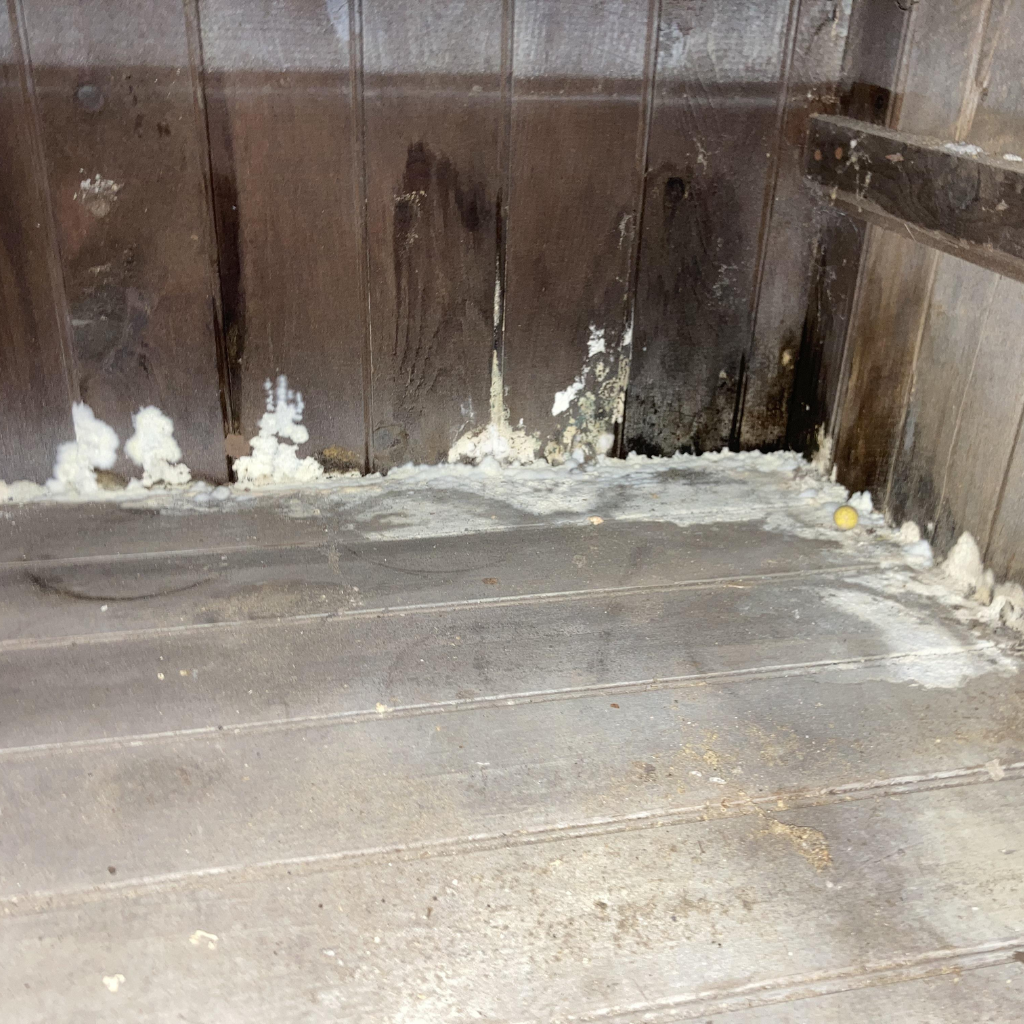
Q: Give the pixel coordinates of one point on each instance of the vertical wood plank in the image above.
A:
(950, 460)
(122, 136)
(716, 108)
(996, 127)
(279, 110)
(1004, 553)
(791, 225)
(892, 303)
(871, 61)
(36, 382)
(577, 113)
(989, 410)
(896, 283)
(960, 302)
(433, 122)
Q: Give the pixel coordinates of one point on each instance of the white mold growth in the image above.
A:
(153, 447)
(94, 447)
(564, 399)
(594, 401)
(496, 440)
(98, 194)
(274, 458)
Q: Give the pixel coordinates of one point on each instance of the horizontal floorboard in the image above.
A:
(169, 591)
(659, 925)
(346, 666)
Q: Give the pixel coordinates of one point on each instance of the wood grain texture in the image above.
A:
(791, 226)
(990, 407)
(962, 296)
(866, 88)
(716, 109)
(891, 308)
(952, 455)
(36, 378)
(1005, 552)
(434, 117)
(123, 141)
(577, 112)
(279, 110)
(818, 375)
(940, 62)
(969, 197)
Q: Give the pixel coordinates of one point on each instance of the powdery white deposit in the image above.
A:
(496, 440)
(274, 458)
(94, 447)
(506, 486)
(153, 447)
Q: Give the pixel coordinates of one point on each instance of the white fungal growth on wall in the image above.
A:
(94, 447)
(497, 439)
(153, 447)
(564, 399)
(274, 457)
(595, 400)
(98, 194)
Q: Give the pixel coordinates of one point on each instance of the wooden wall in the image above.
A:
(387, 199)
(931, 422)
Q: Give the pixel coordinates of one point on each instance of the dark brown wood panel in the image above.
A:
(939, 65)
(123, 140)
(791, 227)
(715, 114)
(874, 43)
(927, 183)
(36, 387)
(952, 453)
(284, 171)
(577, 117)
(831, 288)
(888, 332)
(434, 111)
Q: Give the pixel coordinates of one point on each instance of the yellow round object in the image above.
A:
(845, 517)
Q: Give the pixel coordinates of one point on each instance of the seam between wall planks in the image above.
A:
(892, 112)
(767, 209)
(502, 215)
(229, 403)
(643, 145)
(922, 324)
(54, 263)
(356, 72)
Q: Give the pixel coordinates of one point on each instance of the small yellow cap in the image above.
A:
(845, 517)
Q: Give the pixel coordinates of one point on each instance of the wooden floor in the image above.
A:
(259, 769)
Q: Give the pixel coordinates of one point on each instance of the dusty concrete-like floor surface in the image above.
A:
(255, 770)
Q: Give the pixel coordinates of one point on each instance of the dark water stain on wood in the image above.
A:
(684, 397)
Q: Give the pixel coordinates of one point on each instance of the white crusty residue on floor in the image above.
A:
(274, 458)
(782, 490)
(153, 447)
